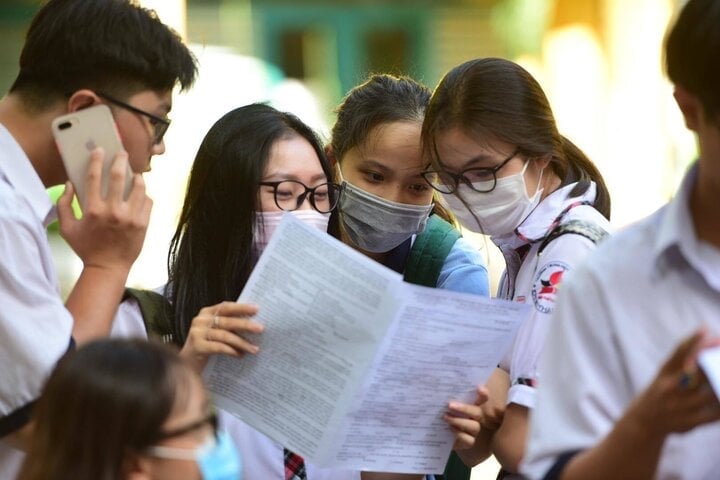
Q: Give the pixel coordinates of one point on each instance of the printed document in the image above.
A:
(356, 367)
(709, 360)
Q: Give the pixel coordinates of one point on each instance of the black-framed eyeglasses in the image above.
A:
(290, 195)
(159, 124)
(480, 179)
(210, 419)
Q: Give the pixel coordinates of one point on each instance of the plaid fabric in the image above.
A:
(294, 466)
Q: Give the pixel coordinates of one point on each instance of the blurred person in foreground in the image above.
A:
(622, 395)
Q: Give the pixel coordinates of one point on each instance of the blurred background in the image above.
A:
(599, 61)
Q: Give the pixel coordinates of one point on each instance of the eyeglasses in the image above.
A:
(209, 419)
(160, 125)
(178, 453)
(290, 195)
(481, 180)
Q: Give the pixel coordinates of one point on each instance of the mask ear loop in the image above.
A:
(537, 190)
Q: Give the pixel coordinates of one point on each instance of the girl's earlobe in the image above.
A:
(330, 155)
(544, 161)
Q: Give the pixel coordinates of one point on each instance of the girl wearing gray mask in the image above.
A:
(253, 165)
(387, 211)
(505, 170)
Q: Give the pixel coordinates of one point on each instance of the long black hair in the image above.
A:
(210, 257)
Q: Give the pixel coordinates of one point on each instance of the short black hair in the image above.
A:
(115, 46)
(692, 53)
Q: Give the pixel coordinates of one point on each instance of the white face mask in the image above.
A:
(499, 211)
(267, 222)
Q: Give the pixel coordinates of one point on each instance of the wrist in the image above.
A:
(639, 425)
(195, 360)
(117, 270)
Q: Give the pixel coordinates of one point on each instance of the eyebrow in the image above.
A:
(477, 159)
(385, 170)
(289, 176)
(368, 162)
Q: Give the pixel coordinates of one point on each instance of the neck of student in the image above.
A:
(705, 198)
(33, 133)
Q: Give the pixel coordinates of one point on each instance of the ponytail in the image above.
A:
(579, 168)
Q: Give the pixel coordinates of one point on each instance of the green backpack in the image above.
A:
(157, 314)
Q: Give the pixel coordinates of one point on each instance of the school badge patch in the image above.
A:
(546, 285)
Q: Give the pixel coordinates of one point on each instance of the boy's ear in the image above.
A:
(81, 99)
(690, 107)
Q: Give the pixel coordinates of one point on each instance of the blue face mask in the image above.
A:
(221, 461)
(216, 459)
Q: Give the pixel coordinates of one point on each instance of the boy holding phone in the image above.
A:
(77, 54)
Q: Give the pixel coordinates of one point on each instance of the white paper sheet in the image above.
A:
(440, 347)
(709, 360)
(356, 367)
(325, 310)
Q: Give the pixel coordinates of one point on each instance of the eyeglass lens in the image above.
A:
(290, 195)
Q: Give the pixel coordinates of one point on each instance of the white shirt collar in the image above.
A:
(16, 167)
(676, 229)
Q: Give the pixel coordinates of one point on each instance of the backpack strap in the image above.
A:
(583, 228)
(429, 251)
(156, 312)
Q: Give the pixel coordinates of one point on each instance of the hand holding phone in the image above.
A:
(77, 134)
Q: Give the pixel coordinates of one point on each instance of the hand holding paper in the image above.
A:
(357, 367)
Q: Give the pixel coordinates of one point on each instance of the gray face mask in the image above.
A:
(378, 225)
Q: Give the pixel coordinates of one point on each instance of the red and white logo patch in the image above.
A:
(546, 285)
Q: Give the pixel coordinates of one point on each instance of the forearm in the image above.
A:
(630, 451)
(481, 449)
(94, 300)
(508, 443)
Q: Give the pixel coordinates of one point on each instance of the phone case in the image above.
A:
(77, 134)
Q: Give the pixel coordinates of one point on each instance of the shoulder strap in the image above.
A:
(156, 312)
(429, 251)
(583, 228)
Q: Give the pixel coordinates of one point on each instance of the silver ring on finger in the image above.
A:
(216, 321)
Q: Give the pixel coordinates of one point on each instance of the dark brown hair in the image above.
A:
(692, 53)
(104, 401)
(496, 98)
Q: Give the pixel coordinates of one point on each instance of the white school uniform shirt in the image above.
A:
(263, 458)
(35, 326)
(623, 314)
(535, 279)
